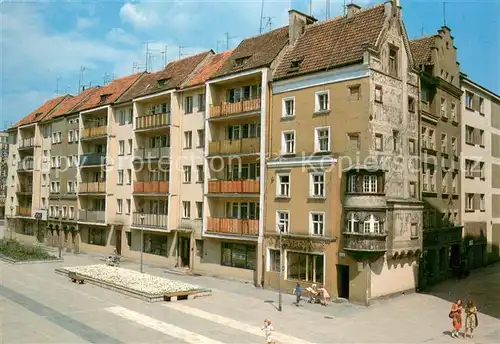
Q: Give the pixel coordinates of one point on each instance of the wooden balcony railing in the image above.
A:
(150, 220)
(234, 186)
(91, 216)
(23, 211)
(152, 121)
(94, 187)
(242, 146)
(158, 186)
(233, 226)
(227, 109)
(151, 153)
(94, 132)
(26, 143)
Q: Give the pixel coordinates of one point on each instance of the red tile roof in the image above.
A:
(71, 102)
(41, 111)
(172, 76)
(332, 43)
(108, 94)
(255, 52)
(421, 49)
(208, 69)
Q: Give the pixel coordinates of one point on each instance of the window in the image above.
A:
(239, 255)
(372, 225)
(200, 174)
(481, 137)
(283, 185)
(432, 179)
(201, 138)
(393, 61)
(469, 100)
(370, 184)
(322, 139)
(431, 140)
(454, 146)
(443, 108)
(453, 112)
(353, 142)
(283, 221)
(288, 107)
(444, 182)
(188, 139)
(274, 260)
(481, 105)
(121, 117)
(186, 207)
(188, 104)
(129, 206)
(414, 230)
(395, 140)
(424, 138)
(322, 101)
(70, 136)
(201, 102)
(353, 224)
(130, 146)
(379, 145)
(481, 171)
(77, 135)
(469, 135)
(412, 147)
(469, 201)
(316, 223)
(454, 183)
(411, 104)
(305, 267)
(45, 155)
(129, 176)
(288, 142)
(119, 206)
(44, 203)
(155, 244)
(469, 165)
(351, 183)
(355, 92)
(378, 93)
(120, 177)
(413, 189)
(187, 174)
(317, 185)
(444, 144)
(71, 212)
(70, 187)
(482, 205)
(121, 147)
(199, 210)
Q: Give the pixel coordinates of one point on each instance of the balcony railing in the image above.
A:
(361, 243)
(23, 211)
(25, 165)
(227, 109)
(25, 188)
(152, 121)
(91, 216)
(234, 186)
(151, 153)
(95, 187)
(233, 226)
(150, 220)
(242, 146)
(94, 159)
(152, 187)
(92, 132)
(26, 143)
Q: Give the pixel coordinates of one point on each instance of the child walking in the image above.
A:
(268, 329)
(298, 294)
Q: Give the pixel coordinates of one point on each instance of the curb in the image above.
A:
(17, 262)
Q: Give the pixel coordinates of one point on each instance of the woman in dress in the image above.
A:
(268, 329)
(470, 319)
(456, 318)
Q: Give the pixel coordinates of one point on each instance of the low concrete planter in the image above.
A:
(13, 261)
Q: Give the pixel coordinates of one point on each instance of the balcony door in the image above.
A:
(98, 205)
(158, 207)
(159, 141)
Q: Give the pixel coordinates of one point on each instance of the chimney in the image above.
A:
(352, 9)
(297, 22)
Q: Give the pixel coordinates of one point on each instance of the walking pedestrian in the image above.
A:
(456, 318)
(298, 294)
(471, 321)
(268, 329)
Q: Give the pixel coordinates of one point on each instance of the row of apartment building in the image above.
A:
(372, 155)
(4, 156)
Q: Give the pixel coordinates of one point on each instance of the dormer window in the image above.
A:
(240, 61)
(104, 97)
(38, 115)
(295, 64)
(161, 82)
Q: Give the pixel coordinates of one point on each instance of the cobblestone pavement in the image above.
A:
(38, 306)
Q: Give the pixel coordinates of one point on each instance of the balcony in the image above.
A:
(94, 132)
(151, 153)
(364, 245)
(25, 165)
(91, 216)
(95, 187)
(242, 146)
(94, 159)
(28, 143)
(23, 211)
(247, 186)
(151, 187)
(242, 227)
(228, 109)
(150, 220)
(24, 188)
(152, 121)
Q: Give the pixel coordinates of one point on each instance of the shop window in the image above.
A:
(155, 244)
(97, 236)
(239, 256)
(305, 267)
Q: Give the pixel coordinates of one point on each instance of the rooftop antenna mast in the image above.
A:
(310, 8)
(180, 51)
(269, 22)
(219, 42)
(444, 13)
(146, 43)
(57, 84)
(228, 38)
(261, 17)
(80, 78)
(164, 55)
(327, 9)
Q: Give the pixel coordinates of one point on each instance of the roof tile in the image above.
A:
(421, 49)
(41, 111)
(67, 106)
(208, 69)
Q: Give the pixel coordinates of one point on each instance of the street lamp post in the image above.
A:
(60, 229)
(11, 220)
(280, 228)
(142, 239)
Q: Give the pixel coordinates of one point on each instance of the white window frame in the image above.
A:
(130, 146)
(119, 206)
(469, 201)
(316, 101)
(370, 184)
(373, 225)
(121, 147)
(186, 209)
(444, 147)
(281, 221)
(284, 142)
(120, 177)
(317, 145)
(186, 170)
(353, 224)
(443, 109)
(313, 183)
(129, 176)
(311, 223)
(188, 139)
(482, 202)
(279, 184)
(351, 183)
(70, 136)
(283, 110)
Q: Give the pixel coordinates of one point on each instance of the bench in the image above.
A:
(76, 278)
(180, 295)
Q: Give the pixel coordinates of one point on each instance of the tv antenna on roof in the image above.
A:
(57, 84)
(444, 13)
(269, 22)
(327, 14)
(80, 78)
(261, 16)
(164, 55)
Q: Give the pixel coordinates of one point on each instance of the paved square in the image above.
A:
(39, 306)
